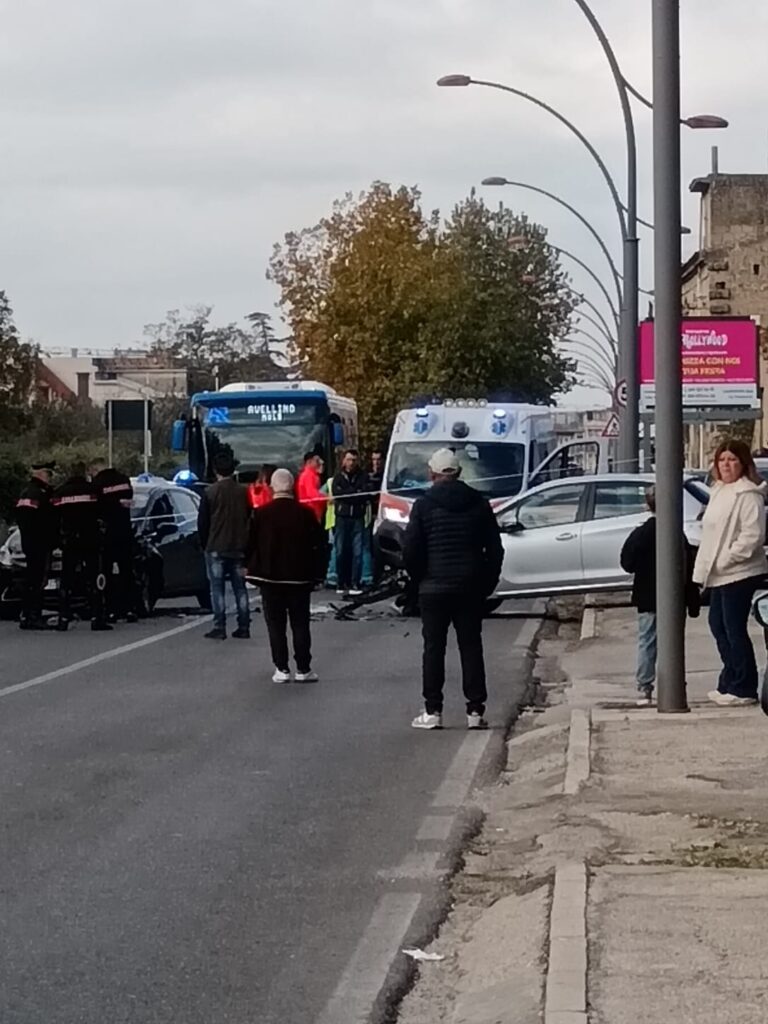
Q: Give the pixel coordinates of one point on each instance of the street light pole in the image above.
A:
(670, 543)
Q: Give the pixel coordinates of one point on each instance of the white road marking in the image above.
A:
(455, 787)
(435, 828)
(113, 652)
(369, 965)
(578, 753)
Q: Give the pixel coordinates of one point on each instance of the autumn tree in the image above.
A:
(228, 353)
(386, 303)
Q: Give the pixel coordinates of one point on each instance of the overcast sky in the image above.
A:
(154, 150)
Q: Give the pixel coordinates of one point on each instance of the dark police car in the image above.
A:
(169, 559)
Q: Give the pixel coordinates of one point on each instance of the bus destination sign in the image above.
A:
(273, 412)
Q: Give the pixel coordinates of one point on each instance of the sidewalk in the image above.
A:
(620, 876)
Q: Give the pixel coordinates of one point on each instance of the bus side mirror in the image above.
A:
(337, 434)
(179, 436)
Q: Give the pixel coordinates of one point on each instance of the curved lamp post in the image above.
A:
(628, 219)
(572, 209)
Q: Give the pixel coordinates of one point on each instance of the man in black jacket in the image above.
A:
(115, 493)
(37, 522)
(638, 557)
(287, 555)
(223, 524)
(82, 547)
(352, 502)
(453, 552)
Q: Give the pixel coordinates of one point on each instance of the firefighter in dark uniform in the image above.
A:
(115, 493)
(37, 522)
(82, 547)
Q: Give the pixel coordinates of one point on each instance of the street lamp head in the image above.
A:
(454, 80)
(494, 181)
(705, 121)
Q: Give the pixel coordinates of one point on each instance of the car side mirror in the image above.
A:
(164, 530)
(760, 608)
(514, 527)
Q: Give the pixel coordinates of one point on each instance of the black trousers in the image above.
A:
(89, 562)
(36, 557)
(280, 603)
(465, 613)
(122, 596)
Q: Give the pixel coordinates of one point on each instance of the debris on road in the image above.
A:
(419, 954)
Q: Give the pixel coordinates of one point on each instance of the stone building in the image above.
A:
(728, 275)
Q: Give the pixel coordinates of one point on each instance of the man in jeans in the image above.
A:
(351, 502)
(638, 557)
(453, 552)
(223, 523)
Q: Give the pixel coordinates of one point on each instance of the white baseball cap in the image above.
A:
(444, 461)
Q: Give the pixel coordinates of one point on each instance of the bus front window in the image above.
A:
(255, 444)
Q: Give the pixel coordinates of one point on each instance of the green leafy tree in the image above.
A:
(212, 353)
(18, 365)
(386, 303)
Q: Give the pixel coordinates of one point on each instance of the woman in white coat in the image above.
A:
(730, 564)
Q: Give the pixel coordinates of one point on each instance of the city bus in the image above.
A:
(266, 423)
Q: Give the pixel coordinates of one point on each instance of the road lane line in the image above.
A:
(369, 965)
(455, 787)
(96, 659)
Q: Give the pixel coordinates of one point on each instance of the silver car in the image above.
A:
(566, 536)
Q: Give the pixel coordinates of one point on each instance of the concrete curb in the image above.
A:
(577, 764)
(565, 998)
(588, 623)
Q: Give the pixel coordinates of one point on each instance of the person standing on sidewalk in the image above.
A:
(638, 557)
(453, 552)
(730, 564)
(38, 526)
(223, 522)
(286, 557)
(351, 504)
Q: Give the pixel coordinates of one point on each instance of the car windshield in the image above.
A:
(492, 468)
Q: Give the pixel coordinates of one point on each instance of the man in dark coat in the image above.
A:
(453, 552)
(115, 494)
(638, 557)
(37, 522)
(287, 556)
(82, 547)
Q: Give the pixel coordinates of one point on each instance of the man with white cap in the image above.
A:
(287, 555)
(453, 552)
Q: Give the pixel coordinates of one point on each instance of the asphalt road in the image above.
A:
(184, 842)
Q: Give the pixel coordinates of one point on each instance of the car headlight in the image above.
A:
(395, 515)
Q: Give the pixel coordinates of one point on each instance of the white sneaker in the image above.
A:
(356, 592)
(281, 677)
(476, 721)
(729, 700)
(306, 677)
(425, 721)
(645, 700)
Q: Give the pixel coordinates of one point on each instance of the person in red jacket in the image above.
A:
(308, 485)
(260, 492)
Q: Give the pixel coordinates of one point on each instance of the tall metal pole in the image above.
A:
(629, 417)
(670, 544)
(146, 435)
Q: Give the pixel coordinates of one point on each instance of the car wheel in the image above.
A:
(204, 600)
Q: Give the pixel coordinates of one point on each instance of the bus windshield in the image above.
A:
(256, 436)
(492, 468)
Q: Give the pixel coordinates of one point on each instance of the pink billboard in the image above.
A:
(719, 363)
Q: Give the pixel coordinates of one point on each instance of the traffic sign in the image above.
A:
(611, 428)
(621, 394)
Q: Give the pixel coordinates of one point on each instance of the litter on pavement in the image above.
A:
(419, 954)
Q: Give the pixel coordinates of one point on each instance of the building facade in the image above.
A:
(99, 377)
(728, 275)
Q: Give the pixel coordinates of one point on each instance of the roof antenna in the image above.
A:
(715, 161)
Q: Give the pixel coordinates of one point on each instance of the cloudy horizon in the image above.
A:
(157, 152)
